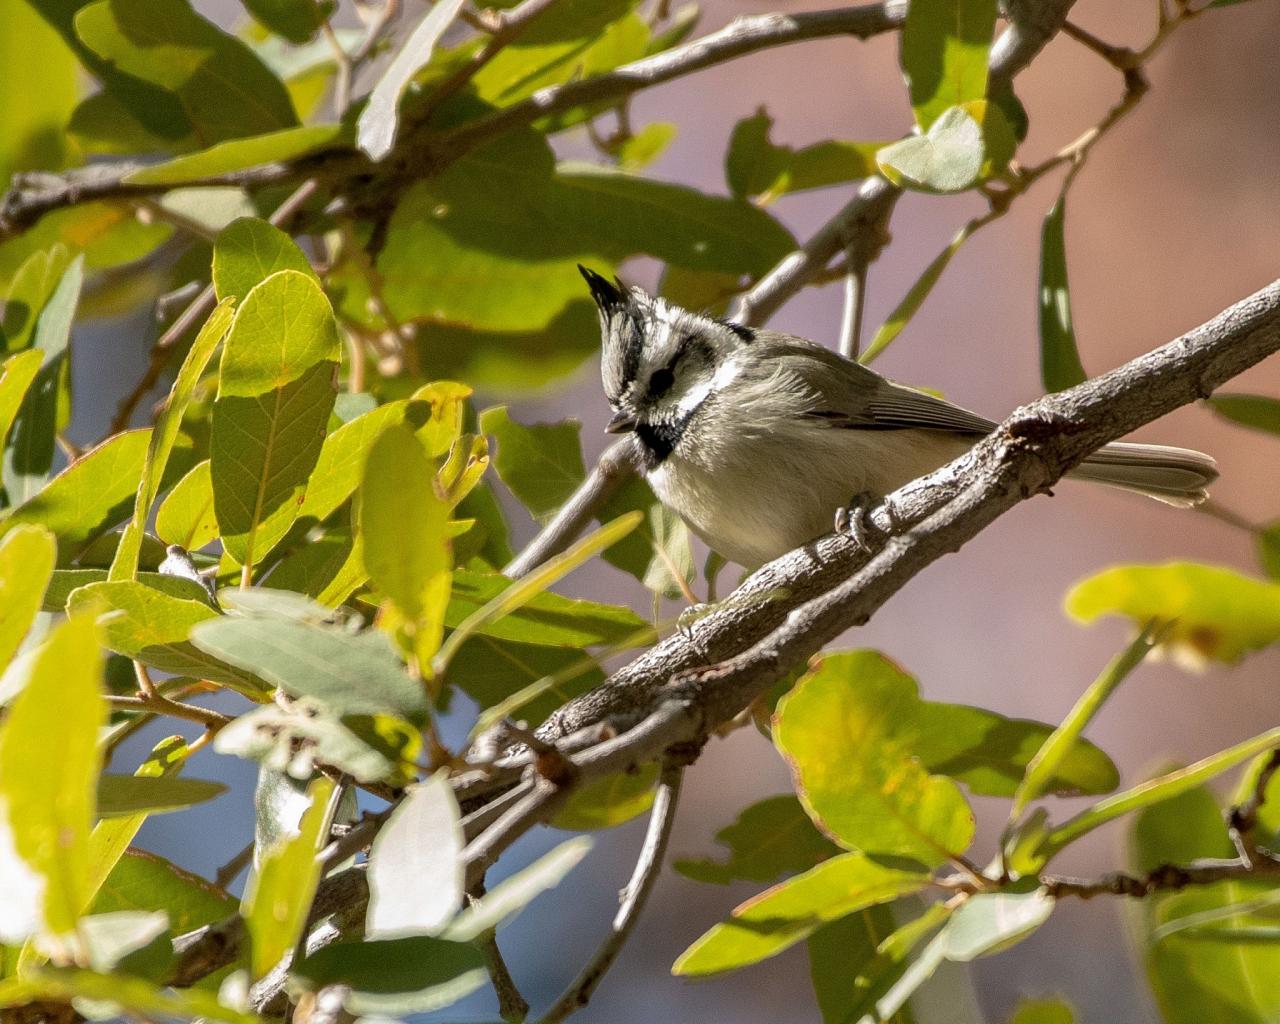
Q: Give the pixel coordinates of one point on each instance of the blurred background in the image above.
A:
(1176, 216)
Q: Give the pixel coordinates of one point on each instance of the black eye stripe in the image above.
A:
(660, 381)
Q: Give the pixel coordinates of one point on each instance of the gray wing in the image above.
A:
(849, 395)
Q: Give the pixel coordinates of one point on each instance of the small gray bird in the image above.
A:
(756, 438)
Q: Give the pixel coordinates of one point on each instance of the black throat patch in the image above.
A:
(658, 441)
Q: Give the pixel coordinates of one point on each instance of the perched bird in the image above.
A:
(756, 439)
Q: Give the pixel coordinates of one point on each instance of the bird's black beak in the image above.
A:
(621, 423)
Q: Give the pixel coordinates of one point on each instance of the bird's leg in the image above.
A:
(854, 519)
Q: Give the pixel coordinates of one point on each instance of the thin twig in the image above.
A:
(634, 896)
(161, 705)
(1165, 878)
(536, 806)
(344, 70)
(855, 300)
(226, 874)
(512, 1006)
(1244, 818)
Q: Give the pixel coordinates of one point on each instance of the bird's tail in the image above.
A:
(1176, 476)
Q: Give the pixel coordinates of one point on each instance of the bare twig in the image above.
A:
(157, 704)
(1165, 878)
(1242, 823)
(226, 874)
(343, 70)
(512, 1006)
(634, 896)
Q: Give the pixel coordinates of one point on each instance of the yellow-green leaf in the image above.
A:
(48, 772)
(16, 376)
(125, 564)
(27, 556)
(524, 590)
(275, 392)
(186, 516)
(240, 154)
(857, 773)
(402, 524)
(248, 251)
(945, 46)
(278, 899)
(1216, 614)
(793, 910)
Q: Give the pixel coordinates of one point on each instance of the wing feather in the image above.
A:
(848, 395)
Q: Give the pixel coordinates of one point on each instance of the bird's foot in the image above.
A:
(854, 519)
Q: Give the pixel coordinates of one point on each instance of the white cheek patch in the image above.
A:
(726, 373)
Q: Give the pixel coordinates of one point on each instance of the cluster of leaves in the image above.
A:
(318, 547)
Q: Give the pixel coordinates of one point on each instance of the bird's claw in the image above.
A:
(854, 520)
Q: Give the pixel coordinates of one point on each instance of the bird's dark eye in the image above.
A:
(660, 382)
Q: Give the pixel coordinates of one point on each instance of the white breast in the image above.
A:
(754, 491)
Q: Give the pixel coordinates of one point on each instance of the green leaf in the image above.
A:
(222, 87)
(770, 838)
(645, 146)
(1060, 366)
(856, 771)
(1156, 790)
(546, 618)
(698, 231)
(402, 524)
(224, 158)
(793, 910)
(524, 590)
(107, 235)
(136, 996)
(369, 748)
(125, 564)
(146, 881)
(608, 801)
(914, 298)
(541, 464)
(1256, 411)
(573, 38)
(327, 569)
(512, 894)
(33, 284)
(1194, 978)
(1217, 614)
(130, 942)
(275, 393)
(33, 118)
(92, 494)
(16, 376)
(296, 20)
(1054, 752)
(247, 252)
(352, 674)
(48, 770)
(343, 457)
(493, 242)
(28, 456)
(278, 898)
(65, 581)
(376, 128)
(110, 839)
(946, 158)
(945, 48)
(524, 680)
(892, 976)
(397, 976)
(120, 795)
(27, 556)
(1043, 1011)
(846, 969)
(156, 627)
(755, 166)
(186, 516)
(415, 864)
